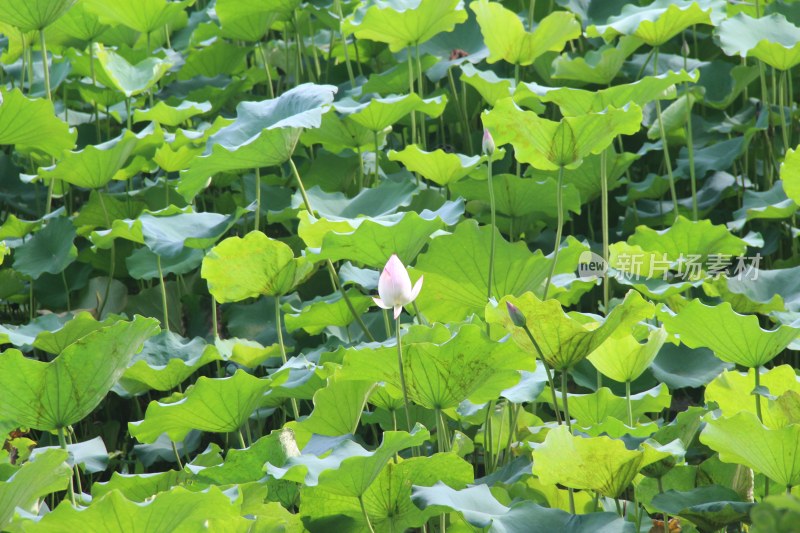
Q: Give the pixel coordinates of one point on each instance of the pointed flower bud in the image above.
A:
(394, 287)
(488, 143)
(517, 318)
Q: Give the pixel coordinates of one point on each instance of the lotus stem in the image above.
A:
(443, 437)
(279, 330)
(690, 140)
(266, 69)
(258, 199)
(62, 442)
(782, 111)
(565, 399)
(630, 404)
(177, 455)
(411, 91)
(758, 394)
(163, 293)
(664, 145)
(490, 281)
(400, 366)
(550, 380)
(366, 515)
(338, 6)
(488, 445)
(559, 229)
(45, 66)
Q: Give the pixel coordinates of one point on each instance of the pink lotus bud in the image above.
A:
(516, 315)
(488, 143)
(394, 287)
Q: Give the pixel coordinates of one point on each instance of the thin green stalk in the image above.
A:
(279, 329)
(411, 91)
(163, 292)
(490, 280)
(387, 324)
(559, 228)
(242, 444)
(66, 289)
(665, 515)
(462, 111)
(329, 263)
(214, 321)
(443, 437)
(62, 442)
(338, 7)
(258, 199)
(604, 222)
(690, 141)
(177, 455)
(377, 159)
(782, 111)
(488, 438)
(513, 416)
(45, 66)
(400, 366)
(128, 118)
(364, 511)
(421, 92)
(664, 145)
(565, 399)
(266, 69)
(550, 380)
(630, 404)
(758, 395)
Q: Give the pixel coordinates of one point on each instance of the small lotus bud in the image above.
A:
(516, 315)
(488, 143)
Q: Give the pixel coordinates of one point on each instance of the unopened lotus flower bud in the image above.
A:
(488, 143)
(516, 315)
(394, 286)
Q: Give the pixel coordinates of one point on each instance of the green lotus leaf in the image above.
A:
(250, 20)
(596, 463)
(263, 134)
(96, 165)
(744, 440)
(376, 114)
(658, 22)
(442, 375)
(326, 311)
(50, 250)
(178, 509)
(143, 264)
(402, 23)
(724, 82)
(771, 287)
(55, 340)
(138, 487)
(115, 71)
(168, 231)
(576, 102)
(77, 23)
(732, 337)
(506, 38)
(395, 80)
(565, 340)
(35, 15)
(599, 66)
(790, 174)
(519, 197)
(337, 134)
(710, 507)
(488, 84)
(388, 500)
(685, 238)
(765, 205)
(93, 216)
(386, 198)
(90, 456)
(440, 167)
(772, 39)
(144, 16)
(214, 405)
(53, 395)
(372, 241)
(623, 358)
(480, 508)
(338, 407)
(548, 145)
(734, 392)
(596, 408)
(45, 474)
(168, 115)
(31, 124)
(240, 268)
(165, 362)
(452, 294)
(218, 58)
(680, 366)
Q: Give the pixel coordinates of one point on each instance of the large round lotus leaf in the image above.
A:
(548, 145)
(598, 463)
(732, 337)
(250, 20)
(489, 85)
(658, 22)
(733, 393)
(50, 250)
(564, 339)
(790, 174)
(440, 167)
(47, 473)
(30, 15)
(327, 311)
(507, 39)
(743, 440)
(623, 358)
(178, 509)
(402, 23)
(599, 66)
(479, 507)
(584, 178)
(143, 16)
(338, 407)
(377, 114)
(519, 197)
(31, 124)
(77, 23)
(240, 268)
(168, 115)
(711, 507)
(598, 407)
(772, 39)
(216, 405)
(48, 396)
(130, 80)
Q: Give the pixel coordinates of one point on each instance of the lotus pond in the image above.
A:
(390, 265)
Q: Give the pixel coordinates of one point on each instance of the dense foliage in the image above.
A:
(378, 265)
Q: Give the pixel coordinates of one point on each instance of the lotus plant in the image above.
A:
(488, 150)
(395, 291)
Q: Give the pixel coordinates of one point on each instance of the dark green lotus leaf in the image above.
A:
(387, 198)
(250, 20)
(115, 71)
(178, 509)
(339, 133)
(599, 66)
(733, 337)
(143, 264)
(681, 366)
(566, 339)
(264, 134)
(56, 339)
(31, 125)
(165, 361)
(50, 250)
(506, 38)
(724, 82)
(46, 473)
(32, 15)
(658, 22)
(548, 145)
(402, 23)
(772, 39)
(770, 205)
(53, 395)
(91, 456)
(215, 405)
(144, 16)
(772, 287)
(481, 509)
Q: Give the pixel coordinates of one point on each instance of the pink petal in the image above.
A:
(380, 303)
(416, 289)
(397, 310)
